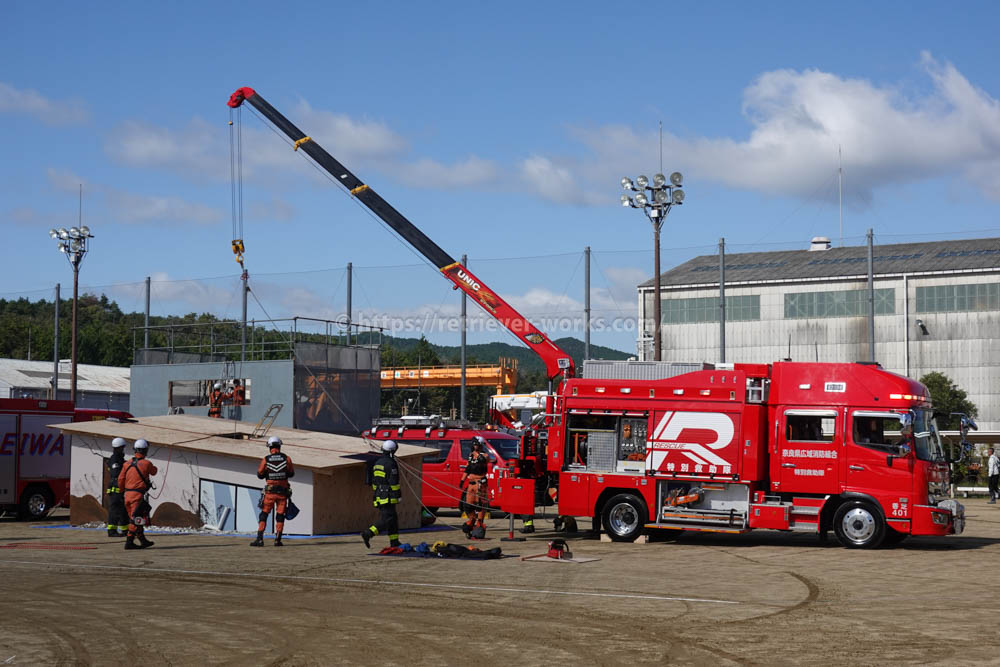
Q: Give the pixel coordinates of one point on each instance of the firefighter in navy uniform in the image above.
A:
(385, 484)
(276, 468)
(474, 483)
(117, 516)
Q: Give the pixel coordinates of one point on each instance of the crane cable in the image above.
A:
(236, 185)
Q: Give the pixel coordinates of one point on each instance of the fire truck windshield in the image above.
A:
(505, 447)
(926, 437)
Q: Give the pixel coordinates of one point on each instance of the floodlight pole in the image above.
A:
(76, 288)
(662, 196)
(657, 220)
(74, 244)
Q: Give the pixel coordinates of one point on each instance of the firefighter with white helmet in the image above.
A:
(276, 469)
(117, 515)
(134, 480)
(385, 484)
(215, 399)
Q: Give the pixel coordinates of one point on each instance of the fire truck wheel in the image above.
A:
(36, 501)
(859, 525)
(624, 517)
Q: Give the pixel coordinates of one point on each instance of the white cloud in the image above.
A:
(470, 172)
(169, 296)
(130, 207)
(136, 208)
(50, 112)
(65, 180)
(549, 180)
(798, 119)
(201, 150)
(274, 210)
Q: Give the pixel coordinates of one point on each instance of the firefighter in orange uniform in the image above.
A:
(238, 395)
(276, 468)
(134, 480)
(215, 401)
(474, 482)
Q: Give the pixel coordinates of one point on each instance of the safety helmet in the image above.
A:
(274, 441)
(218, 385)
(479, 442)
(389, 446)
(118, 442)
(140, 444)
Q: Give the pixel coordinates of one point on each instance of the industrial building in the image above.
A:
(207, 474)
(100, 387)
(937, 308)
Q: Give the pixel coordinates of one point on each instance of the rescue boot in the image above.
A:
(143, 542)
(259, 542)
(130, 544)
(366, 535)
(277, 540)
(528, 528)
(113, 533)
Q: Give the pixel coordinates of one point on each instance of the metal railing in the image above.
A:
(221, 340)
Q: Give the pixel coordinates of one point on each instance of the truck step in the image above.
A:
(701, 529)
(805, 511)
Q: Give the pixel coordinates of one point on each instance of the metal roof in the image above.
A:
(37, 375)
(850, 261)
(308, 449)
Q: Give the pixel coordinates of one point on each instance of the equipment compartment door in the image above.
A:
(8, 458)
(810, 447)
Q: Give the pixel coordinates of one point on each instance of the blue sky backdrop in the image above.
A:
(500, 129)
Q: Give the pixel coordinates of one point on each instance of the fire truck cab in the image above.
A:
(442, 470)
(789, 446)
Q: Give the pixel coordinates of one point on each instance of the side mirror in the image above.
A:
(901, 450)
(906, 423)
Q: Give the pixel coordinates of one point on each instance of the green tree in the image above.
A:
(948, 398)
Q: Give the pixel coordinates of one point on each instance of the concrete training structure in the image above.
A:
(207, 475)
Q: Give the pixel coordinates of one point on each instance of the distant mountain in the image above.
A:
(527, 360)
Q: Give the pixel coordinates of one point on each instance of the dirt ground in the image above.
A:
(73, 596)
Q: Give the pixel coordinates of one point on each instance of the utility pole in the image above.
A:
(55, 350)
(586, 303)
(145, 336)
(461, 393)
(871, 298)
(350, 297)
(722, 300)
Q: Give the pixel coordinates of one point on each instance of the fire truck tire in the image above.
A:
(859, 525)
(624, 517)
(36, 501)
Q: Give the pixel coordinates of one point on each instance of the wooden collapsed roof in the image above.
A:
(321, 452)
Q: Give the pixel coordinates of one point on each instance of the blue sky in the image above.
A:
(500, 129)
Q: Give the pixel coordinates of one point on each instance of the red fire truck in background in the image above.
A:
(35, 459)
(791, 446)
(442, 471)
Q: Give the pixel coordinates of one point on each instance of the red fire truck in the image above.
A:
(791, 446)
(442, 471)
(34, 459)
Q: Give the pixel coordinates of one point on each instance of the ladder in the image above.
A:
(265, 423)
